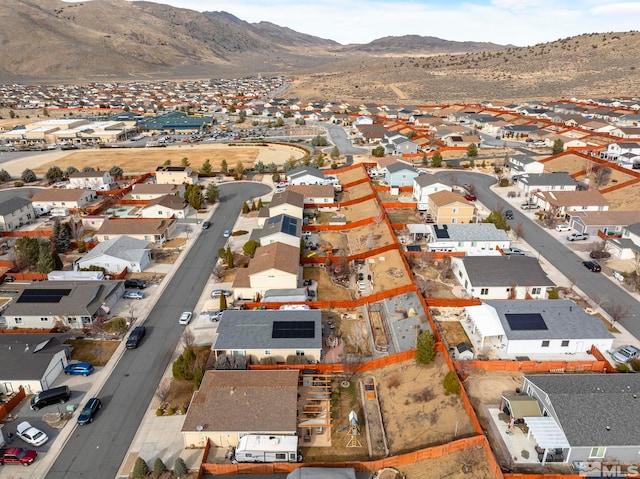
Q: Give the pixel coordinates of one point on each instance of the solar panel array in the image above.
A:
(293, 329)
(526, 322)
(289, 224)
(43, 295)
(441, 233)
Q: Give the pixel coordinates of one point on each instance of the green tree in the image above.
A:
(4, 176)
(12, 114)
(70, 171)
(279, 122)
(87, 169)
(140, 469)
(319, 160)
(232, 109)
(378, 151)
(436, 160)
(61, 238)
(167, 163)
(558, 147)
(28, 250)
(498, 220)
(159, 467)
(425, 159)
(239, 170)
(259, 166)
(273, 168)
(245, 208)
(223, 302)
(472, 150)
(230, 264)
(451, 383)
(185, 161)
(193, 195)
(116, 171)
(224, 167)
(335, 153)
(212, 193)
(46, 262)
(28, 176)
(54, 173)
(45, 112)
(206, 168)
(242, 116)
(250, 248)
(319, 140)
(426, 348)
(180, 468)
(275, 177)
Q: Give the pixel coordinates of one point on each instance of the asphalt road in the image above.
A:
(597, 286)
(97, 450)
(341, 140)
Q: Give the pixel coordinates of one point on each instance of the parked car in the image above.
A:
(206, 225)
(89, 411)
(599, 254)
(17, 455)
(529, 206)
(133, 295)
(226, 233)
(135, 283)
(30, 434)
(592, 266)
(79, 369)
(563, 227)
(470, 197)
(216, 293)
(216, 315)
(185, 318)
(577, 237)
(508, 214)
(57, 395)
(135, 337)
(624, 354)
(510, 251)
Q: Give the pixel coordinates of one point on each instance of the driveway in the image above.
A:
(339, 138)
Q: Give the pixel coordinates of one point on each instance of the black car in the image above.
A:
(206, 225)
(592, 266)
(89, 411)
(135, 337)
(508, 214)
(135, 283)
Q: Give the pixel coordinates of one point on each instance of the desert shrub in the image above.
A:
(140, 469)
(451, 383)
(294, 359)
(170, 411)
(159, 412)
(623, 368)
(159, 467)
(268, 361)
(504, 182)
(18, 184)
(239, 233)
(635, 364)
(426, 348)
(179, 468)
(553, 293)
(183, 410)
(425, 395)
(394, 381)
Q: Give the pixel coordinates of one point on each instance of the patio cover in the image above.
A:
(418, 228)
(522, 406)
(547, 432)
(485, 319)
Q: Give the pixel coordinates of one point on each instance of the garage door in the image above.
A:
(52, 374)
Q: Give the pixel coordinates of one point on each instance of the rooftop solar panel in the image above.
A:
(293, 329)
(526, 322)
(43, 295)
(441, 232)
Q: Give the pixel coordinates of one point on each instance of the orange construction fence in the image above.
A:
(452, 302)
(534, 366)
(8, 406)
(595, 352)
(29, 233)
(400, 204)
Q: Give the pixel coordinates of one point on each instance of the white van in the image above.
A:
(294, 307)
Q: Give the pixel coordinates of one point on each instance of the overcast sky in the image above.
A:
(519, 22)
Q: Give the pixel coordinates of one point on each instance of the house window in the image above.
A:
(545, 344)
(237, 352)
(281, 456)
(536, 290)
(267, 352)
(484, 291)
(299, 352)
(44, 320)
(597, 452)
(565, 344)
(19, 321)
(454, 210)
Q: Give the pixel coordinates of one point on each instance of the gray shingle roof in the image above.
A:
(399, 166)
(18, 363)
(428, 179)
(595, 410)
(472, 232)
(13, 204)
(564, 319)
(123, 247)
(560, 178)
(505, 271)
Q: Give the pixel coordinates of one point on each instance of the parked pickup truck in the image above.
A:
(577, 236)
(529, 206)
(17, 455)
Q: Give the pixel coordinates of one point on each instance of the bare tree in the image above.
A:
(471, 188)
(426, 286)
(188, 338)
(618, 313)
(600, 176)
(162, 393)
(501, 207)
(599, 249)
(513, 291)
(518, 230)
(217, 271)
(132, 311)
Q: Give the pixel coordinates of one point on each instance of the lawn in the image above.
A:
(96, 352)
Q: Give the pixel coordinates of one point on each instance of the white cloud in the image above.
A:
(617, 9)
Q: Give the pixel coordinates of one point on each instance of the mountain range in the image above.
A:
(51, 41)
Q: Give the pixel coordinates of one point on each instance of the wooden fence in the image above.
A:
(7, 407)
(533, 366)
(28, 233)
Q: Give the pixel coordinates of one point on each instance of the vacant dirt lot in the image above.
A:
(358, 191)
(450, 466)
(360, 211)
(351, 175)
(327, 289)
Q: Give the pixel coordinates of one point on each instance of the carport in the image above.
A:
(485, 321)
(548, 434)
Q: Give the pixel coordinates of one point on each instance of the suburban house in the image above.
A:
(501, 277)
(471, 238)
(116, 254)
(168, 206)
(287, 203)
(176, 175)
(519, 164)
(277, 334)
(92, 180)
(75, 304)
(33, 361)
(628, 245)
(281, 228)
(276, 265)
(424, 185)
(306, 175)
(399, 174)
(562, 202)
(372, 133)
(230, 404)
(590, 416)
(533, 327)
(558, 181)
(461, 141)
(74, 199)
(155, 231)
(315, 194)
(397, 144)
(151, 191)
(624, 153)
(610, 223)
(15, 212)
(448, 207)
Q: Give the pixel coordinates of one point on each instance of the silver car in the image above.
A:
(625, 354)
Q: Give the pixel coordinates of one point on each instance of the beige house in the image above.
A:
(288, 203)
(448, 207)
(176, 175)
(274, 266)
(151, 191)
(275, 334)
(564, 201)
(93, 180)
(150, 230)
(231, 404)
(168, 206)
(15, 212)
(74, 199)
(315, 194)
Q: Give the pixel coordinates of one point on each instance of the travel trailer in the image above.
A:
(263, 448)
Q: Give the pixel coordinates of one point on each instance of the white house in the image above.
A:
(168, 206)
(16, 212)
(518, 164)
(558, 181)
(306, 175)
(92, 180)
(288, 203)
(424, 185)
(538, 327)
(151, 191)
(117, 254)
(281, 228)
(471, 238)
(176, 175)
(563, 202)
(625, 153)
(316, 195)
(628, 245)
(501, 277)
(64, 198)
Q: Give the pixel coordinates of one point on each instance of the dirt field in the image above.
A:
(97, 353)
(454, 333)
(327, 289)
(389, 273)
(351, 175)
(358, 191)
(485, 387)
(365, 238)
(360, 211)
(450, 467)
(403, 216)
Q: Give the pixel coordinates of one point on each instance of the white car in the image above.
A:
(562, 227)
(185, 317)
(30, 434)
